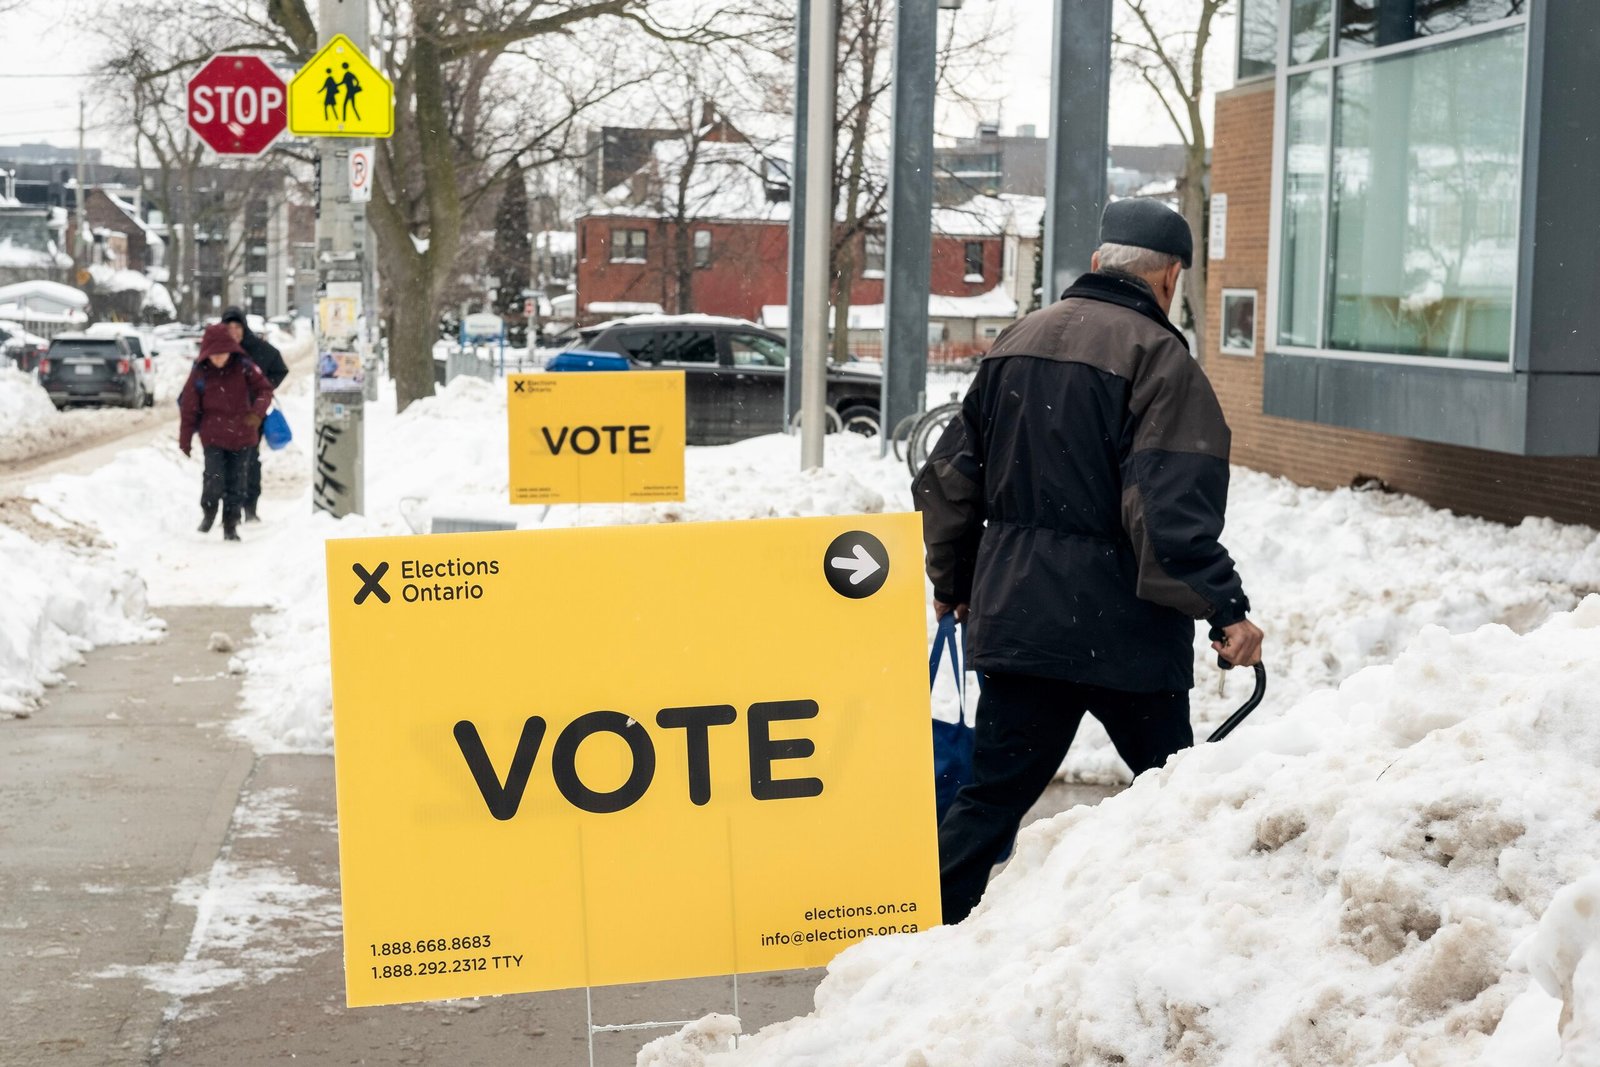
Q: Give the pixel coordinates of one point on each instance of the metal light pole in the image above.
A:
(792, 384)
(908, 266)
(820, 90)
(1075, 173)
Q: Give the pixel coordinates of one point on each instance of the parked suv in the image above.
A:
(733, 372)
(78, 369)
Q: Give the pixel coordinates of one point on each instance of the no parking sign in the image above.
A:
(360, 175)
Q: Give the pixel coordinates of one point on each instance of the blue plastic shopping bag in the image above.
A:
(275, 428)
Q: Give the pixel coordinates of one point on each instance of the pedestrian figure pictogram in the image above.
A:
(323, 97)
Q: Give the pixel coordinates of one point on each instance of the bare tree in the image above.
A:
(1170, 57)
(483, 89)
(159, 46)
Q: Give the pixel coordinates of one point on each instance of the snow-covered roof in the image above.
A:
(727, 181)
(66, 295)
(995, 304)
(14, 256)
(639, 310)
(991, 216)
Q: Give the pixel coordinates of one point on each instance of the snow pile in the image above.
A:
(26, 413)
(62, 597)
(1346, 884)
(446, 456)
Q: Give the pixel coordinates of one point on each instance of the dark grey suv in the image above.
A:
(96, 370)
(733, 372)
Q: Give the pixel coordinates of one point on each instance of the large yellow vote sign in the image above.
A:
(595, 756)
(592, 437)
(340, 94)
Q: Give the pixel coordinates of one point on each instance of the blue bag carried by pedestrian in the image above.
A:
(952, 741)
(275, 428)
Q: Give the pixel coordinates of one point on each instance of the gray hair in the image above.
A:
(1131, 259)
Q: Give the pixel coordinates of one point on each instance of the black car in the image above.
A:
(734, 373)
(94, 370)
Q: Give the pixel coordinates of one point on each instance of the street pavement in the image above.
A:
(167, 896)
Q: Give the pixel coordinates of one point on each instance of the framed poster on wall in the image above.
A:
(1238, 322)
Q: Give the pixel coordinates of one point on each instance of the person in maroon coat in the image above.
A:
(224, 400)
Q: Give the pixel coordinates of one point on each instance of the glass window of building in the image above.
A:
(1423, 239)
(1402, 182)
(1305, 190)
(1258, 38)
(1365, 24)
(1310, 30)
(973, 256)
(630, 246)
(702, 248)
(872, 254)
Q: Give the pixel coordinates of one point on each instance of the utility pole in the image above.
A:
(1075, 173)
(338, 475)
(909, 264)
(80, 249)
(792, 380)
(820, 90)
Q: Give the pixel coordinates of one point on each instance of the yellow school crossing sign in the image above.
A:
(340, 94)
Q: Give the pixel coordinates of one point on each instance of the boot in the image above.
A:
(208, 517)
(250, 513)
(230, 532)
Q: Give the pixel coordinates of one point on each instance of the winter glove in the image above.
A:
(184, 446)
(252, 420)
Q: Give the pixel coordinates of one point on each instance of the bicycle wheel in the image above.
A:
(830, 418)
(926, 434)
(902, 433)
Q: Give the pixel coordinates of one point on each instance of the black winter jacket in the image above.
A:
(1077, 501)
(262, 353)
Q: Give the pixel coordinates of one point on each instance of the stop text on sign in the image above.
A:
(242, 104)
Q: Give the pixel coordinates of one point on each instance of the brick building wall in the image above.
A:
(749, 267)
(1466, 480)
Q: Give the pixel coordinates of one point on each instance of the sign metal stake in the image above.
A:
(618, 1028)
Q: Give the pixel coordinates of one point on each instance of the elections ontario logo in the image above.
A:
(426, 581)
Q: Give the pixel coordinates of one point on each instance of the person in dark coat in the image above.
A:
(266, 356)
(224, 400)
(1071, 515)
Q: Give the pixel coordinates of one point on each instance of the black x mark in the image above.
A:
(370, 582)
(516, 385)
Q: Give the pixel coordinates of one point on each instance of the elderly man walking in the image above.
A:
(1072, 515)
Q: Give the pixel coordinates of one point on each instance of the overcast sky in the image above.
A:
(40, 79)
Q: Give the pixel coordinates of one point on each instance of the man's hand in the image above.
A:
(941, 609)
(1240, 644)
(184, 446)
(252, 420)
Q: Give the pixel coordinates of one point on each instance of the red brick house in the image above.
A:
(704, 227)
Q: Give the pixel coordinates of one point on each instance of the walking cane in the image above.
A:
(1249, 705)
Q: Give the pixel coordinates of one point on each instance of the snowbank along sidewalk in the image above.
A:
(1347, 884)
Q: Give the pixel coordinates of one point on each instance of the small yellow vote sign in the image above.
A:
(340, 94)
(595, 437)
(623, 754)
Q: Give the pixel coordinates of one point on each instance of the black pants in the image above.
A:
(224, 481)
(1024, 728)
(252, 477)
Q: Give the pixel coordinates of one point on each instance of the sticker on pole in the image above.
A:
(625, 754)
(596, 437)
(340, 94)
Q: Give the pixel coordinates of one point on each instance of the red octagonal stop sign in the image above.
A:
(236, 105)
